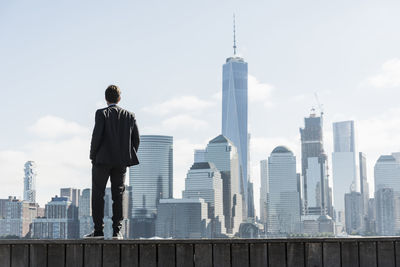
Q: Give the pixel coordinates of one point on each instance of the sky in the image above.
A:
(57, 58)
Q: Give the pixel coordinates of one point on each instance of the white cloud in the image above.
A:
(260, 92)
(179, 104)
(184, 122)
(388, 77)
(55, 127)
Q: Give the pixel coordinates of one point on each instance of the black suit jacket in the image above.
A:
(115, 138)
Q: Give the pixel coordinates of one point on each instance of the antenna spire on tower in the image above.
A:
(234, 35)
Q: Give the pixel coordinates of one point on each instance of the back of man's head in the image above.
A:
(113, 94)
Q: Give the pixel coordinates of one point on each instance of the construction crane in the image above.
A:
(320, 106)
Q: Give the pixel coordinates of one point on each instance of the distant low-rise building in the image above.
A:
(60, 221)
(182, 218)
(18, 217)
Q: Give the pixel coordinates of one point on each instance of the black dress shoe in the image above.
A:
(117, 236)
(94, 235)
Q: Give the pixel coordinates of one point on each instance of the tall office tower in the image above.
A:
(223, 153)
(387, 191)
(60, 221)
(343, 163)
(85, 212)
(17, 218)
(151, 180)
(203, 180)
(72, 194)
(30, 181)
(314, 165)
(199, 155)
(364, 187)
(354, 213)
(387, 172)
(263, 190)
(182, 218)
(283, 195)
(235, 113)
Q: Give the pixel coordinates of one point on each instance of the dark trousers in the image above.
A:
(100, 175)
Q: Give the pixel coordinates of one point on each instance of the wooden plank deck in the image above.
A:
(310, 252)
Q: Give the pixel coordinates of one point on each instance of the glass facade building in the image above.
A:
(30, 181)
(235, 113)
(204, 181)
(344, 167)
(314, 164)
(283, 197)
(151, 180)
(223, 153)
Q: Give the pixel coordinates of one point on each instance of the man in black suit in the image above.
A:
(115, 141)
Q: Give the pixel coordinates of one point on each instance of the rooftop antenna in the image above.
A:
(234, 35)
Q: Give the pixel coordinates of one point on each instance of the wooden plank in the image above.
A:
(367, 250)
(331, 254)
(166, 255)
(92, 256)
(313, 254)
(111, 255)
(222, 255)
(74, 255)
(276, 254)
(397, 244)
(386, 255)
(295, 254)
(38, 255)
(240, 255)
(258, 255)
(147, 255)
(55, 255)
(19, 255)
(349, 254)
(5, 253)
(184, 255)
(203, 255)
(130, 255)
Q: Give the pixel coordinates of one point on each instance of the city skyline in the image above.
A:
(51, 132)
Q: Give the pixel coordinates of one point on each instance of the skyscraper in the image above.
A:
(223, 153)
(354, 212)
(263, 190)
(314, 167)
(235, 112)
(151, 181)
(364, 187)
(343, 163)
(387, 172)
(30, 181)
(204, 181)
(283, 197)
(387, 194)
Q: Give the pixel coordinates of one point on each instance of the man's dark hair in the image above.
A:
(113, 93)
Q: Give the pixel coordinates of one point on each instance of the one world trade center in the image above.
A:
(234, 111)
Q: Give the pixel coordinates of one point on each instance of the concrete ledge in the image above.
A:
(380, 252)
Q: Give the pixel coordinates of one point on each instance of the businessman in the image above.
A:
(115, 142)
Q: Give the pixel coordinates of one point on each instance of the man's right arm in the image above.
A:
(97, 135)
